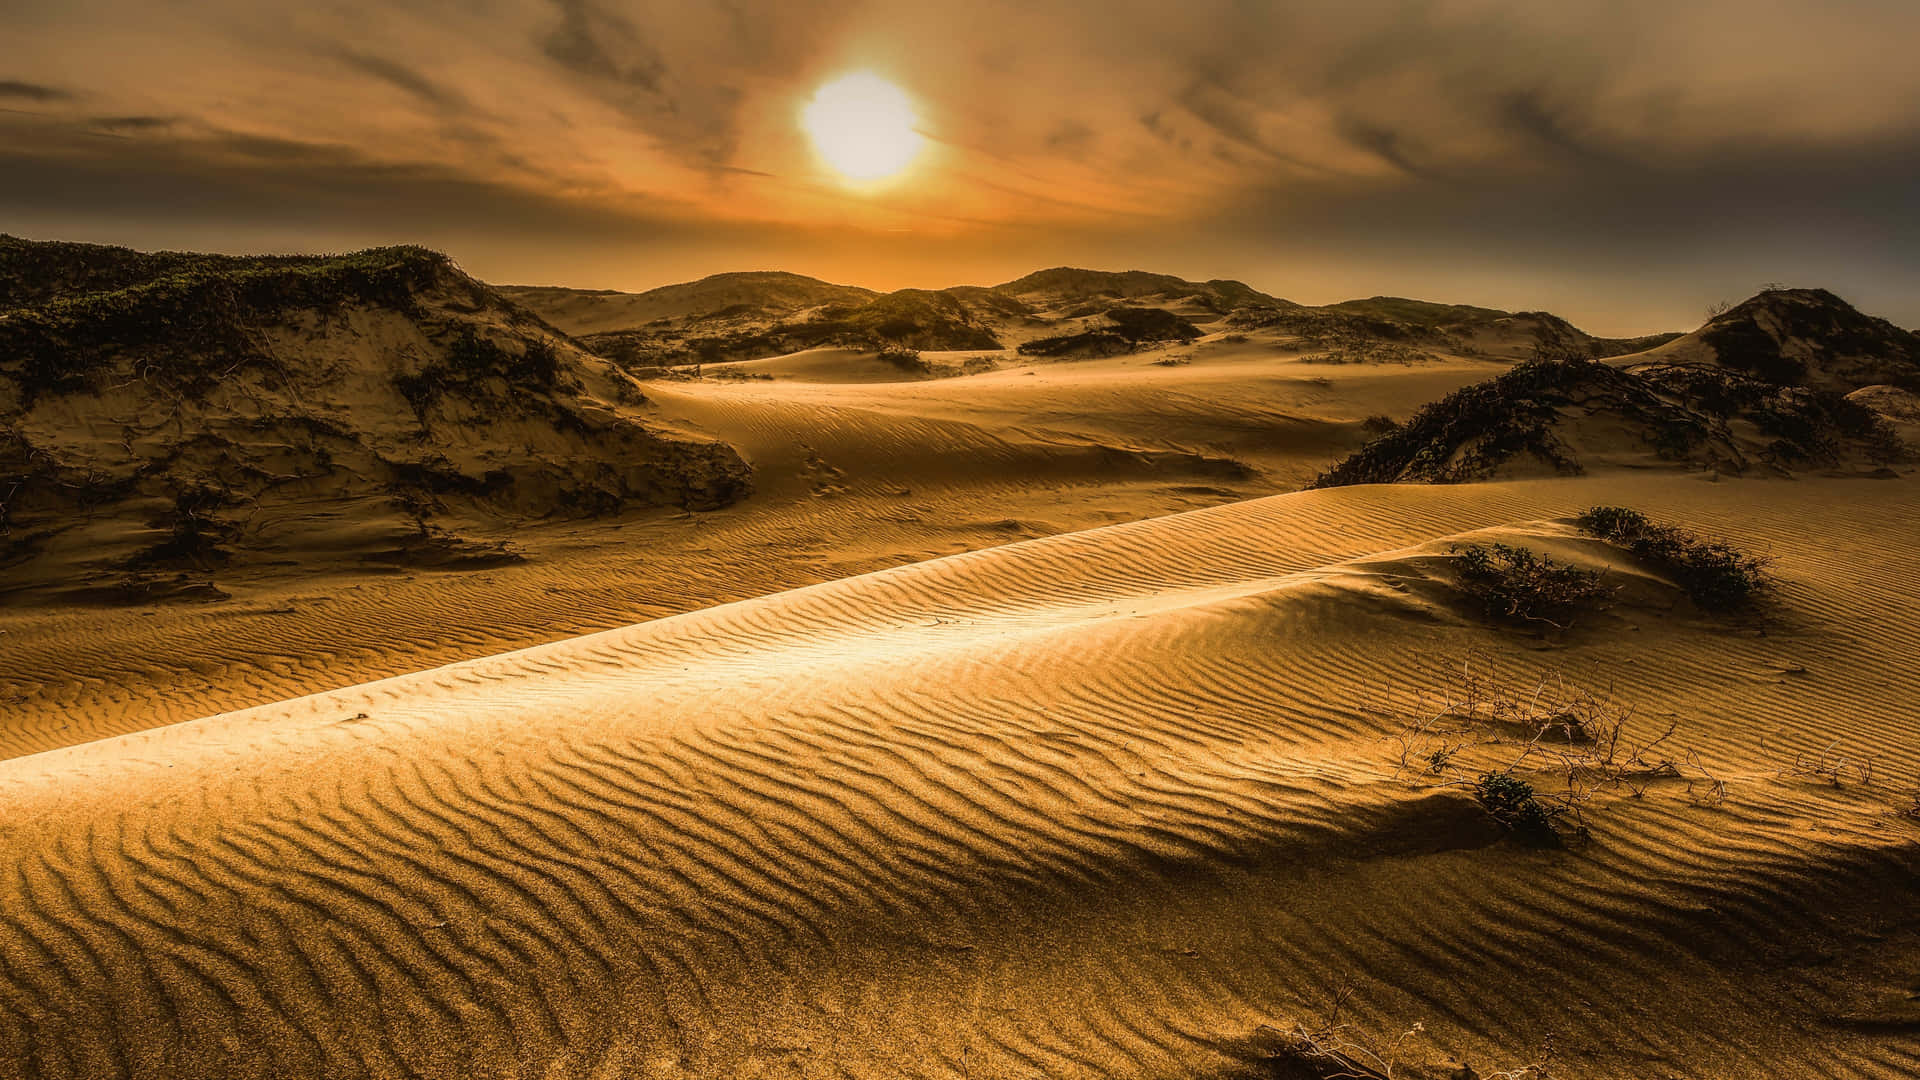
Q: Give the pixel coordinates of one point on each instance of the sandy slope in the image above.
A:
(1100, 804)
(849, 477)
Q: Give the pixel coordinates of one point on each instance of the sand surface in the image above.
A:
(849, 477)
(1024, 724)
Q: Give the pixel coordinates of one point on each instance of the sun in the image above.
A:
(863, 126)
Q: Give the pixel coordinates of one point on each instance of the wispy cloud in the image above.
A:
(1054, 119)
(26, 91)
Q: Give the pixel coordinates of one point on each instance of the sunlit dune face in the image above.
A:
(863, 126)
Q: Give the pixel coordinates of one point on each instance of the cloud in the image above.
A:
(26, 91)
(580, 43)
(404, 78)
(1390, 146)
(121, 124)
(1487, 124)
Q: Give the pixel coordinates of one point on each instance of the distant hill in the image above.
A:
(908, 319)
(1416, 312)
(752, 293)
(1059, 312)
(732, 317)
(165, 415)
(1806, 337)
(1779, 383)
(1064, 284)
(1349, 326)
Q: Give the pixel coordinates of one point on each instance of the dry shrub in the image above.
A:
(1534, 757)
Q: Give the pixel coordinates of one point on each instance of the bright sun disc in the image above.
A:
(862, 125)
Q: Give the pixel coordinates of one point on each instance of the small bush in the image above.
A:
(1613, 522)
(1513, 803)
(1516, 585)
(1715, 575)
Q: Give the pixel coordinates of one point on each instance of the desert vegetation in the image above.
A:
(1125, 329)
(1466, 434)
(479, 367)
(196, 318)
(1533, 756)
(1518, 585)
(1686, 414)
(1715, 575)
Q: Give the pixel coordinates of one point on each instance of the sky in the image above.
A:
(1624, 163)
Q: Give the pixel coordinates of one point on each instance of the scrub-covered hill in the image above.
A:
(164, 416)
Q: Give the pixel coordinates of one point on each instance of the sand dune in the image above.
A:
(848, 478)
(1097, 804)
(165, 416)
(1026, 721)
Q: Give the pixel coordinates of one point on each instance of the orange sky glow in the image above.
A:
(1624, 163)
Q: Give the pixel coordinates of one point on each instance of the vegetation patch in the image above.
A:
(1372, 352)
(1092, 343)
(1126, 329)
(478, 367)
(1516, 585)
(1715, 575)
(1535, 756)
(1683, 413)
(1518, 808)
(906, 359)
(1466, 434)
(1815, 426)
(196, 319)
(1142, 325)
